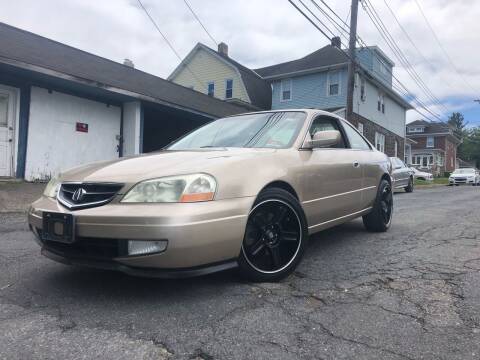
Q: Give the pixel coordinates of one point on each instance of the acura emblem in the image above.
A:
(78, 194)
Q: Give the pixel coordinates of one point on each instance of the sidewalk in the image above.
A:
(17, 196)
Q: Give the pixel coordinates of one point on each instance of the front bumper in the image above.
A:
(460, 181)
(198, 235)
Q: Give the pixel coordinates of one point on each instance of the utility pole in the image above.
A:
(351, 54)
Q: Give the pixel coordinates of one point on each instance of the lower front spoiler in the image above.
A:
(141, 272)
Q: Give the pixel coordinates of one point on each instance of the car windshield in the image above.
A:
(264, 130)
(464, 171)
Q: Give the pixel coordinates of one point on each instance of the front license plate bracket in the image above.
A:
(58, 227)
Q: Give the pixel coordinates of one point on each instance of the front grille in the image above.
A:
(89, 248)
(460, 179)
(76, 196)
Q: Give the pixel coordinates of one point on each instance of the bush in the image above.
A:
(446, 174)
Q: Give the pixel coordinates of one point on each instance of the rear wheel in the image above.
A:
(409, 187)
(275, 237)
(380, 218)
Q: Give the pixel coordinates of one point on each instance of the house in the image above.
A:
(216, 74)
(61, 107)
(435, 147)
(319, 80)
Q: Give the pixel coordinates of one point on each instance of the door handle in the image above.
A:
(356, 164)
(10, 140)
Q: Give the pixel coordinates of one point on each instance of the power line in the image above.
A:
(364, 44)
(449, 59)
(342, 31)
(201, 24)
(311, 21)
(413, 43)
(391, 43)
(167, 41)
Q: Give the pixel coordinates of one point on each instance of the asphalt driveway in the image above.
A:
(411, 293)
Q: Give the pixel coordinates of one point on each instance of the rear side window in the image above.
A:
(355, 139)
(324, 123)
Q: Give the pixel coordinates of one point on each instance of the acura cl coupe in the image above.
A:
(243, 191)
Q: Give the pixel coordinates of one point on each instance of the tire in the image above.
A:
(276, 236)
(380, 218)
(409, 187)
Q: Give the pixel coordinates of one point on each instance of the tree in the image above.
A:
(457, 122)
(470, 148)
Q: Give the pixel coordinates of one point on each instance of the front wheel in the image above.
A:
(380, 218)
(275, 237)
(409, 187)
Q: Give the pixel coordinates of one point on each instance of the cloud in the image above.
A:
(261, 33)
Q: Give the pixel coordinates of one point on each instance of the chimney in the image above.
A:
(129, 63)
(337, 42)
(223, 49)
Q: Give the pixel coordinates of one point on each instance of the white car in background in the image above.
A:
(464, 176)
(421, 175)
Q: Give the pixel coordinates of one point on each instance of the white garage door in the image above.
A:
(66, 131)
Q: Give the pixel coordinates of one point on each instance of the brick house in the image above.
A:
(434, 146)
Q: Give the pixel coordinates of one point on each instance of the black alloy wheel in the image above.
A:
(386, 203)
(409, 187)
(380, 218)
(274, 237)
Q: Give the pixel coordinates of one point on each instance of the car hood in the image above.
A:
(162, 163)
(462, 175)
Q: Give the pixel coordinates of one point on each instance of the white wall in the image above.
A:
(394, 117)
(54, 145)
(131, 128)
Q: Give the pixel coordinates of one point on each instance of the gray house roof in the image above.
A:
(430, 127)
(324, 57)
(23, 49)
(259, 91)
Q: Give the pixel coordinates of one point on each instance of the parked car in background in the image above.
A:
(464, 176)
(421, 175)
(402, 175)
(244, 191)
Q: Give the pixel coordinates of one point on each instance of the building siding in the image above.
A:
(52, 133)
(370, 60)
(311, 91)
(209, 68)
(394, 117)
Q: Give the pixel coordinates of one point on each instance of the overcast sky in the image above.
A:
(265, 32)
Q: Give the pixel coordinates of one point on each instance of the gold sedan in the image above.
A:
(243, 191)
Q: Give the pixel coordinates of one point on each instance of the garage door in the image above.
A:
(66, 131)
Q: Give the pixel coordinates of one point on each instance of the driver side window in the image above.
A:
(324, 123)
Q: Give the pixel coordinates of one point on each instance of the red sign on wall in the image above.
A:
(82, 127)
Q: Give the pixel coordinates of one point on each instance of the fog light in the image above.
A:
(141, 247)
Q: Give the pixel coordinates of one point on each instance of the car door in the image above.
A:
(401, 173)
(332, 177)
(370, 166)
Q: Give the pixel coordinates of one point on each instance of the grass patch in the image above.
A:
(437, 180)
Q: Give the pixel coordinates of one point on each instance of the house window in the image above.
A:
(286, 90)
(381, 102)
(380, 141)
(211, 89)
(430, 142)
(333, 83)
(229, 89)
(383, 67)
(363, 94)
(360, 128)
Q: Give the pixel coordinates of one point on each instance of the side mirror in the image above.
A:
(327, 138)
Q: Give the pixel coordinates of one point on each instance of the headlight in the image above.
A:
(183, 188)
(52, 187)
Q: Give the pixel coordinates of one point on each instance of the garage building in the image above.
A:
(61, 107)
